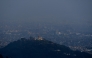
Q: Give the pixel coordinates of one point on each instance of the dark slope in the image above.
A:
(30, 48)
(1, 56)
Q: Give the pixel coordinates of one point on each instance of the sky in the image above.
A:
(73, 12)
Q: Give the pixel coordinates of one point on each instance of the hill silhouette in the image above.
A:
(40, 48)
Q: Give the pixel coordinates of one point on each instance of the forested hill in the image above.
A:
(39, 48)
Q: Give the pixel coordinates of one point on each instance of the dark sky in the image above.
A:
(51, 11)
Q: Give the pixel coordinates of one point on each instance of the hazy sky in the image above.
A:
(56, 11)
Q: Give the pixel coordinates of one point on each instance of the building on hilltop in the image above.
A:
(39, 38)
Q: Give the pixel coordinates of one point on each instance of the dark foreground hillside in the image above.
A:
(39, 48)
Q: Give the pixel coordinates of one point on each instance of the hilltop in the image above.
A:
(40, 48)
